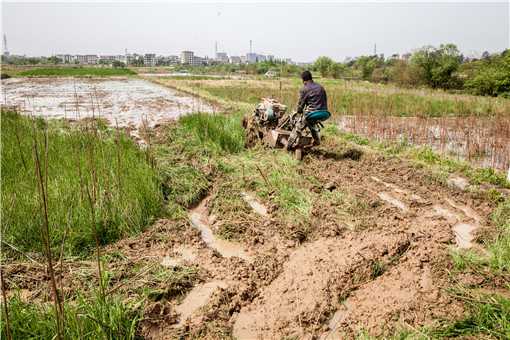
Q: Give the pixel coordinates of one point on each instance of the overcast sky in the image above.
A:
(301, 31)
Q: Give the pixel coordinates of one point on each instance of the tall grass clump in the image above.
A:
(85, 318)
(89, 175)
(187, 156)
(215, 132)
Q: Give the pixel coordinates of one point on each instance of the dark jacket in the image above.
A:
(313, 97)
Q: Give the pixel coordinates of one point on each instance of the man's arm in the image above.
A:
(302, 100)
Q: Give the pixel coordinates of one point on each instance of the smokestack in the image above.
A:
(251, 50)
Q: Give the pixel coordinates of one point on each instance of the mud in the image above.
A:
(199, 217)
(196, 299)
(381, 265)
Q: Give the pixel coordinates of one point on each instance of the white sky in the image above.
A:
(301, 31)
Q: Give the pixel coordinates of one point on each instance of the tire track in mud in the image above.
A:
(300, 297)
(390, 272)
(412, 290)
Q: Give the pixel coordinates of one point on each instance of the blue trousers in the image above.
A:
(317, 116)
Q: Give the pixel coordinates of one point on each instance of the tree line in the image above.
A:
(441, 67)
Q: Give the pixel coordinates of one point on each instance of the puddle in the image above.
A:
(450, 216)
(399, 190)
(200, 219)
(465, 209)
(126, 102)
(464, 234)
(458, 182)
(463, 231)
(393, 201)
(184, 254)
(258, 207)
(337, 320)
(197, 298)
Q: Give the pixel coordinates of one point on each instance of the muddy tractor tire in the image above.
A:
(298, 154)
(251, 132)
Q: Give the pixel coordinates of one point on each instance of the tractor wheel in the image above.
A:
(251, 132)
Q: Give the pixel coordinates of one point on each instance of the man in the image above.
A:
(313, 101)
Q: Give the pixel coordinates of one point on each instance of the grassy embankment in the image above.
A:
(95, 186)
(78, 161)
(68, 71)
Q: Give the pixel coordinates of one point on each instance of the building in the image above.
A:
(222, 57)
(88, 59)
(251, 58)
(149, 59)
(66, 58)
(187, 57)
(235, 60)
(271, 74)
(199, 61)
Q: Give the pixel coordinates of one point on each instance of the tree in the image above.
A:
(323, 65)
(336, 70)
(491, 76)
(437, 66)
(117, 64)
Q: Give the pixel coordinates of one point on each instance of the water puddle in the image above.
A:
(393, 201)
(465, 209)
(184, 254)
(199, 218)
(258, 207)
(197, 298)
(463, 230)
(464, 234)
(458, 182)
(450, 216)
(398, 189)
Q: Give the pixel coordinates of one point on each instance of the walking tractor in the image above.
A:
(271, 125)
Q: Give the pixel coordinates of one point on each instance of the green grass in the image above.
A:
(76, 72)
(487, 314)
(85, 318)
(352, 97)
(187, 153)
(127, 190)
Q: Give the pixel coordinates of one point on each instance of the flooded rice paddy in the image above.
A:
(125, 102)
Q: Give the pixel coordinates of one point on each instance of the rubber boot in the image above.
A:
(315, 135)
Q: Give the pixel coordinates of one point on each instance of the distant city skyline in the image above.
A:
(301, 31)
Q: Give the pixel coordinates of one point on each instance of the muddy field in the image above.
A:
(123, 102)
(348, 243)
(382, 268)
